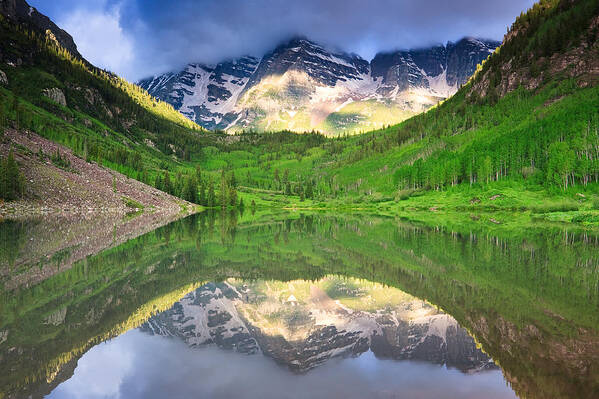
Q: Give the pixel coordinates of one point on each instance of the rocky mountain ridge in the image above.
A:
(304, 86)
(304, 333)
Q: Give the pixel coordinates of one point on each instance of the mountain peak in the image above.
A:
(302, 85)
(296, 41)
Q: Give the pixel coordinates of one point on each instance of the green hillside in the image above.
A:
(100, 116)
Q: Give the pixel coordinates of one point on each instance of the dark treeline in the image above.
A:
(12, 182)
(200, 188)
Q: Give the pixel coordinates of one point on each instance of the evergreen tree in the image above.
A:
(211, 196)
(223, 190)
(2, 119)
(190, 189)
(286, 177)
(12, 182)
(179, 185)
(309, 189)
(85, 151)
(199, 174)
(167, 186)
(232, 196)
(202, 195)
(277, 180)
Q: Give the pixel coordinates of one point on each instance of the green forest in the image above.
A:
(485, 206)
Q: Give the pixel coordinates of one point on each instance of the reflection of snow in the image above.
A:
(438, 325)
(195, 317)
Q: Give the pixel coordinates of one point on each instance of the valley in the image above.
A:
(491, 139)
(301, 220)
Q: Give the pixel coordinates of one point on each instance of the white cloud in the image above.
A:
(101, 39)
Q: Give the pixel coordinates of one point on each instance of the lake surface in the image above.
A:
(298, 306)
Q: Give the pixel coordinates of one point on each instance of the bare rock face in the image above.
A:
(57, 317)
(3, 78)
(55, 94)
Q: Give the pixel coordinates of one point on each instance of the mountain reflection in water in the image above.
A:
(302, 306)
(137, 365)
(302, 324)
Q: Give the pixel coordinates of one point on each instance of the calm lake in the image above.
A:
(297, 306)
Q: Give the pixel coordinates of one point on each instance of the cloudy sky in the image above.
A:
(137, 365)
(140, 38)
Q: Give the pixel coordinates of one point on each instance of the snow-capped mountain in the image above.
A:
(436, 71)
(305, 331)
(206, 94)
(303, 86)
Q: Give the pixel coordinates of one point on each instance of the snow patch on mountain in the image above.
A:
(438, 85)
(301, 84)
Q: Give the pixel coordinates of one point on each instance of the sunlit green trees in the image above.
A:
(560, 165)
(210, 196)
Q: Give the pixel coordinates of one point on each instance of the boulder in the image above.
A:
(55, 94)
(3, 78)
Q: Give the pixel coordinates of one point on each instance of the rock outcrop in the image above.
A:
(56, 95)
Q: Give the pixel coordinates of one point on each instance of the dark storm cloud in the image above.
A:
(152, 36)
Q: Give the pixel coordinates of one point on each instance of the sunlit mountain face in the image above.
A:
(226, 304)
(302, 86)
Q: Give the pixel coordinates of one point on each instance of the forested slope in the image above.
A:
(529, 113)
(54, 92)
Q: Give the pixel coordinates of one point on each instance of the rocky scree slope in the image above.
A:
(74, 185)
(53, 100)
